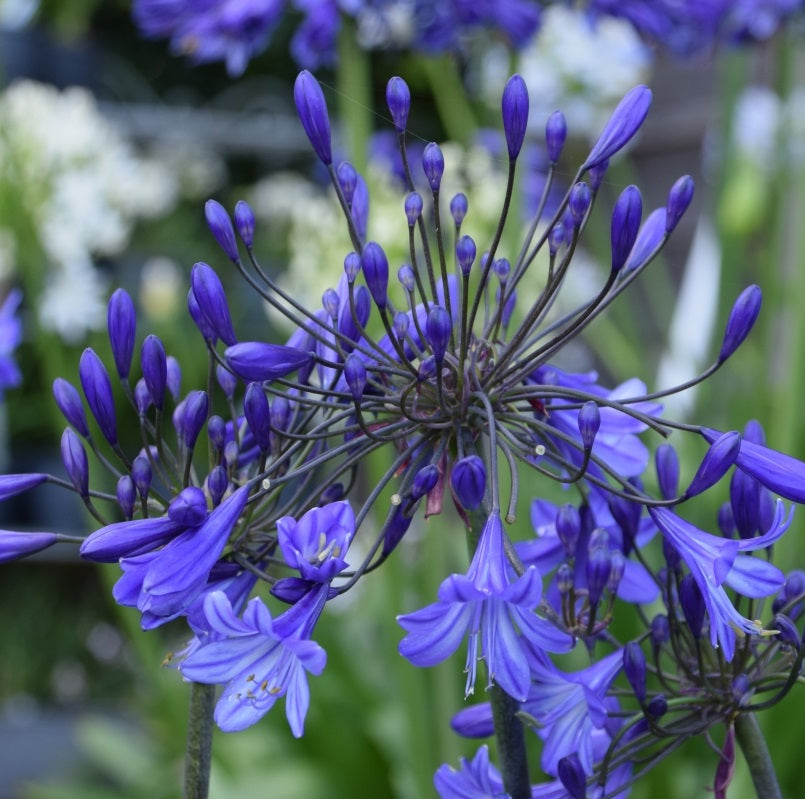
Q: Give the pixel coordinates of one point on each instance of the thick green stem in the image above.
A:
(198, 756)
(510, 738)
(753, 745)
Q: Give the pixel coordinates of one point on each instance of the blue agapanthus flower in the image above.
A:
(10, 338)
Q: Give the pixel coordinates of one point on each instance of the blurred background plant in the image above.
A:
(108, 142)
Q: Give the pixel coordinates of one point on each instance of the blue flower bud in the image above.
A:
(375, 267)
(564, 579)
(217, 483)
(398, 99)
(568, 528)
(786, 628)
(579, 201)
(627, 515)
(141, 475)
(657, 706)
(174, 378)
(571, 774)
(433, 165)
(347, 325)
(679, 198)
(155, 369)
(589, 421)
(468, 481)
(189, 507)
(347, 180)
(98, 392)
(258, 415)
(330, 302)
(741, 320)
(599, 565)
(742, 689)
(437, 331)
(625, 121)
(74, 458)
(216, 431)
(458, 207)
(256, 361)
(692, 601)
(502, 268)
(597, 173)
(660, 630)
(201, 322)
(395, 528)
(189, 417)
(405, 274)
(626, 218)
(352, 265)
(634, 667)
(121, 322)
(355, 375)
(231, 454)
(69, 402)
(555, 135)
(226, 380)
(126, 495)
(424, 481)
(465, 254)
(220, 226)
(716, 462)
(312, 110)
(359, 210)
(514, 108)
(616, 570)
(142, 397)
(753, 432)
(671, 555)
(744, 502)
(649, 237)
(667, 464)
(413, 207)
(725, 520)
(18, 545)
(556, 238)
(474, 721)
(401, 324)
(244, 223)
(333, 493)
(280, 413)
(211, 299)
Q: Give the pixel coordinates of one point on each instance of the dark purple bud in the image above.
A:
(189, 507)
(121, 321)
(458, 207)
(678, 201)
(726, 522)
(616, 570)
(437, 331)
(742, 317)
(660, 630)
(786, 628)
(667, 464)
(627, 515)
(742, 689)
(141, 474)
(468, 481)
(599, 564)
(347, 324)
(352, 265)
(555, 135)
(465, 254)
(220, 226)
(217, 483)
(579, 201)
(401, 324)
(355, 375)
(330, 303)
(244, 223)
(375, 267)
(211, 299)
(142, 397)
(744, 501)
(74, 458)
(312, 110)
(347, 180)
(657, 706)
(692, 601)
(634, 667)
(589, 421)
(231, 454)
(226, 380)
(433, 165)
(716, 463)
(201, 322)
(596, 175)
(69, 401)
(333, 493)
(564, 578)
(256, 361)
(508, 308)
(174, 379)
(405, 274)
(280, 413)
(126, 495)
(216, 430)
(359, 210)
(98, 392)
(395, 528)
(753, 432)
(474, 721)
(189, 417)
(671, 555)
(556, 238)
(625, 121)
(626, 218)
(514, 108)
(398, 99)
(502, 268)
(568, 528)
(155, 369)
(571, 774)
(794, 585)
(424, 481)
(413, 207)
(258, 415)
(651, 235)
(18, 545)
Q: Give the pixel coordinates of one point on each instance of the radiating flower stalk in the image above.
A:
(457, 381)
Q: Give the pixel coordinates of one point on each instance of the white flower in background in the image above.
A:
(756, 122)
(80, 185)
(579, 64)
(163, 288)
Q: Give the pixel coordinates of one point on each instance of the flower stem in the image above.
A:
(753, 745)
(198, 755)
(510, 738)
